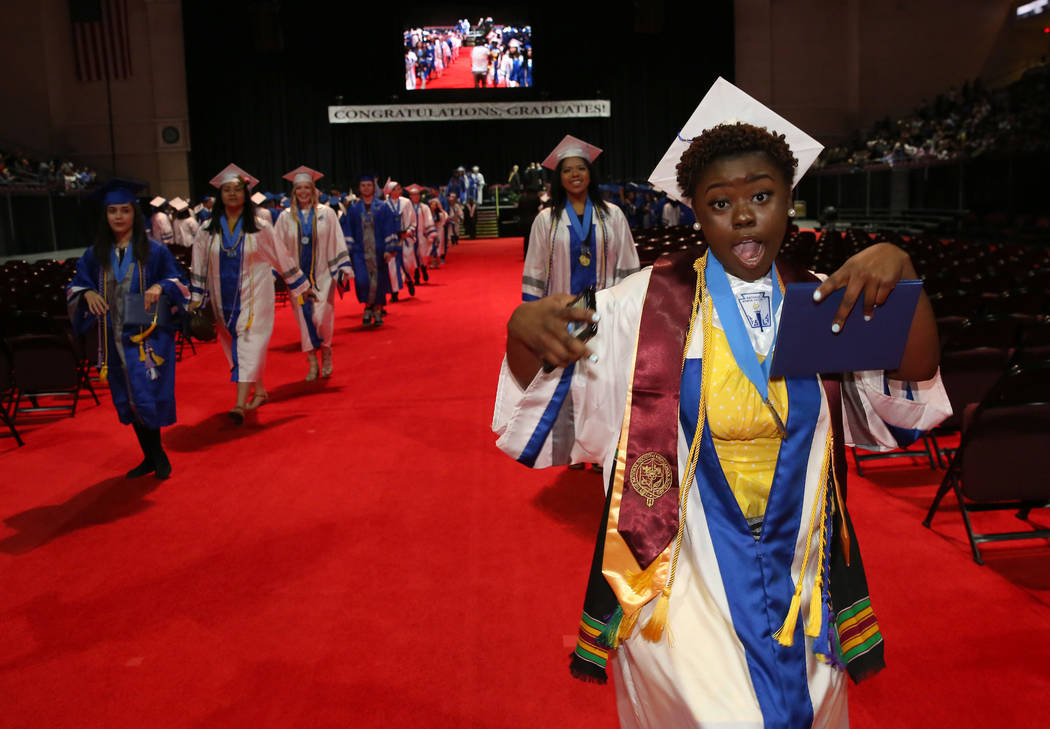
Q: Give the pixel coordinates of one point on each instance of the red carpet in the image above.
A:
(360, 555)
(456, 76)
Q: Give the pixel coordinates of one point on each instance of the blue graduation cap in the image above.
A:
(117, 191)
(322, 198)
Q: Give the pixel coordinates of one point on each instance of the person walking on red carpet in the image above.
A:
(579, 242)
(404, 264)
(233, 256)
(311, 234)
(727, 586)
(123, 271)
(421, 232)
(372, 233)
(440, 246)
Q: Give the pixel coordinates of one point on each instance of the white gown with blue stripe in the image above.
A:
(720, 668)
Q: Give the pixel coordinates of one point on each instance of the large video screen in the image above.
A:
(468, 55)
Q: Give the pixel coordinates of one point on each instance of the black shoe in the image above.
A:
(366, 318)
(415, 275)
(163, 467)
(425, 276)
(393, 298)
(379, 317)
(411, 286)
(143, 469)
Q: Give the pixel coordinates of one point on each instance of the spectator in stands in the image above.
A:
(126, 269)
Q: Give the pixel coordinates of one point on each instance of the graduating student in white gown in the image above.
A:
(727, 590)
(233, 259)
(311, 235)
(580, 241)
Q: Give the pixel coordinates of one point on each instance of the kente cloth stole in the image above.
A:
(631, 561)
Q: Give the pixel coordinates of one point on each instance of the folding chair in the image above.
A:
(7, 393)
(1011, 426)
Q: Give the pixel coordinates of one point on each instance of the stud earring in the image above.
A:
(696, 225)
(791, 212)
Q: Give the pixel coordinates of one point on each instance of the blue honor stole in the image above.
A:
(581, 257)
(730, 315)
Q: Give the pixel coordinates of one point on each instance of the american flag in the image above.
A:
(100, 39)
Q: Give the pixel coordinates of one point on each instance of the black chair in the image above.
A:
(968, 375)
(45, 365)
(7, 392)
(1009, 427)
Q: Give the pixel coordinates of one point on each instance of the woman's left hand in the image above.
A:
(872, 273)
(152, 294)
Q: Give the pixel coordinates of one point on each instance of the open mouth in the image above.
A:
(749, 251)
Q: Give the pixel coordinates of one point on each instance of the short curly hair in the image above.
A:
(732, 140)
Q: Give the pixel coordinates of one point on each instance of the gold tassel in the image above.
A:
(103, 373)
(138, 338)
(627, 626)
(816, 612)
(786, 635)
(157, 359)
(654, 629)
(142, 353)
(642, 582)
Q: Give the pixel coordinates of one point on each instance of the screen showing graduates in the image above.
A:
(468, 54)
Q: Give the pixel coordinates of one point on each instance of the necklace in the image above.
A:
(237, 233)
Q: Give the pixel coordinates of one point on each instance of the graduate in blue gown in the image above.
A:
(138, 361)
(373, 237)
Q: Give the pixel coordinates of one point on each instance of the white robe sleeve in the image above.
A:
(573, 415)
(282, 261)
(882, 414)
(534, 276)
(622, 249)
(199, 265)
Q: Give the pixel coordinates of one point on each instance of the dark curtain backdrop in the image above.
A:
(262, 74)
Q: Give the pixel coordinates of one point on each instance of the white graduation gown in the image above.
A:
(615, 254)
(702, 677)
(330, 258)
(244, 341)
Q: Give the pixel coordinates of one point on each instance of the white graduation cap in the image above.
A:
(570, 146)
(389, 186)
(179, 204)
(233, 173)
(157, 201)
(724, 103)
(258, 198)
(303, 174)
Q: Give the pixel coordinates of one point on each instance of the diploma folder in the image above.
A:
(806, 345)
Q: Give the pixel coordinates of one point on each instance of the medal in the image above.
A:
(585, 256)
(305, 240)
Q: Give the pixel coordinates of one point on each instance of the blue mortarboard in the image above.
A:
(322, 198)
(367, 178)
(117, 191)
(206, 198)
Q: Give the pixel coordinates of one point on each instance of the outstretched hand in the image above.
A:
(872, 273)
(538, 330)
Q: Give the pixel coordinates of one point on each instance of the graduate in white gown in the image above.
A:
(580, 241)
(185, 223)
(440, 247)
(233, 259)
(421, 233)
(727, 588)
(402, 266)
(311, 234)
(160, 224)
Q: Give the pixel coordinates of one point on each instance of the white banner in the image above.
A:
(467, 112)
